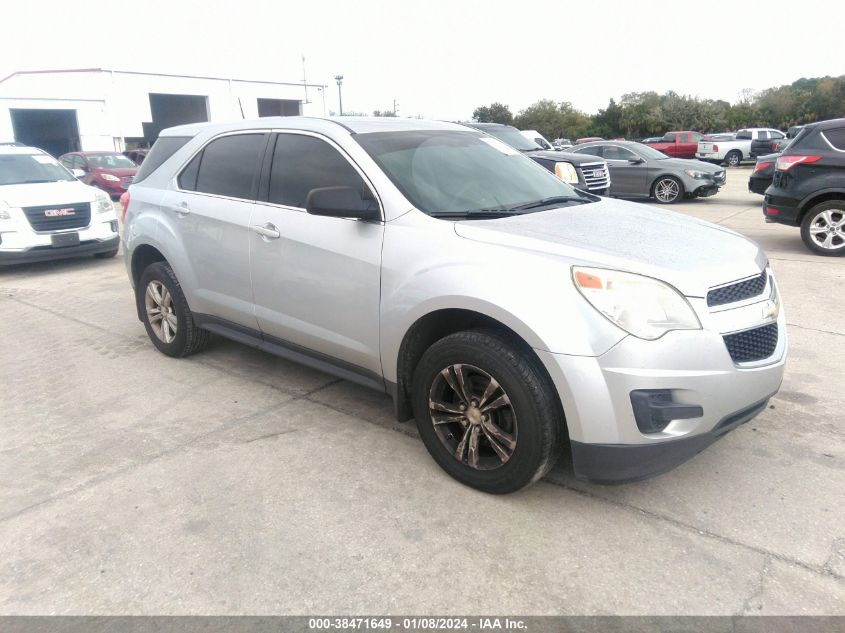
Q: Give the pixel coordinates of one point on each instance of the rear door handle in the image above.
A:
(181, 209)
(266, 230)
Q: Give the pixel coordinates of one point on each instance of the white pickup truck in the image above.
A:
(735, 151)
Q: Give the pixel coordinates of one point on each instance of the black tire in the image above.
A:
(107, 254)
(658, 186)
(188, 338)
(816, 218)
(733, 158)
(537, 422)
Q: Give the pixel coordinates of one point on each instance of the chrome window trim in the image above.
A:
(831, 145)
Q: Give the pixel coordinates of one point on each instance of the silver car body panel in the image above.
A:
(352, 290)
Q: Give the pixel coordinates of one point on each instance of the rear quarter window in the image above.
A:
(836, 137)
(162, 149)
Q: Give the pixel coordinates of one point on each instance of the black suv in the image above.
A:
(587, 173)
(808, 189)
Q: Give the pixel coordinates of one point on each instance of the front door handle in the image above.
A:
(266, 230)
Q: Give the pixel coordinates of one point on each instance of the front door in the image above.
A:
(316, 280)
(627, 179)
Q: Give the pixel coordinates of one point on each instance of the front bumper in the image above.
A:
(694, 366)
(705, 191)
(20, 244)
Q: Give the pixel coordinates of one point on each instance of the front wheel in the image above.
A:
(486, 411)
(823, 228)
(164, 309)
(667, 190)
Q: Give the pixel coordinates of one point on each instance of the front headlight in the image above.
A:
(110, 177)
(698, 175)
(566, 172)
(642, 306)
(103, 203)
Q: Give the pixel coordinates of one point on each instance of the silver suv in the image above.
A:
(510, 314)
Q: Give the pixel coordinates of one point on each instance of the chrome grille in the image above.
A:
(754, 344)
(739, 291)
(592, 173)
(59, 217)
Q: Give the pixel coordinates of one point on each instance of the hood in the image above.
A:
(687, 163)
(690, 254)
(569, 157)
(45, 193)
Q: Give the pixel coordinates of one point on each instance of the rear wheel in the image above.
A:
(165, 312)
(667, 190)
(734, 158)
(486, 411)
(823, 228)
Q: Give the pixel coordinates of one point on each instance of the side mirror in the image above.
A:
(341, 202)
(78, 173)
(636, 161)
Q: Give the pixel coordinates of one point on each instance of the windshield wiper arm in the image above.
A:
(486, 213)
(549, 201)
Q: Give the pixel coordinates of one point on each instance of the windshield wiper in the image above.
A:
(485, 213)
(549, 201)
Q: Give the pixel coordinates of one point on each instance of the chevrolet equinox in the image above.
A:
(510, 314)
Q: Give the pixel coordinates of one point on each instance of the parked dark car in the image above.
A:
(767, 143)
(586, 173)
(640, 171)
(588, 139)
(764, 170)
(808, 188)
(109, 171)
(137, 156)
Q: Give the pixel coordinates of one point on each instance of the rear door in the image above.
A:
(316, 279)
(209, 210)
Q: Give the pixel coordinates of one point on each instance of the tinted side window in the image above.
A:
(762, 135)
(229, 165)
(302, 163)
(775, 134)
(684, 138)
(162, 149)
(836, 137)
(613, 152)
(743, 135)
(595, 150)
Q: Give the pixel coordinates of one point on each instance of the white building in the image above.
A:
(96, 109)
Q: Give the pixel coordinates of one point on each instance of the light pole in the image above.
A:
(339, 80)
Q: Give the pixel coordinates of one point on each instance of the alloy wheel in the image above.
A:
(666, 190)
(159, 306)
(827, 229)
(473, 417)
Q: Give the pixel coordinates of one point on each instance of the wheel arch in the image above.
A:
(142, 256)
(818, 197)
(437, 324)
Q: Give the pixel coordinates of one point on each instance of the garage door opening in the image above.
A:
(54, 131)
(279, 107)
(170, 110)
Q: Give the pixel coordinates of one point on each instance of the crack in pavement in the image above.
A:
(816, 569)
(812, 329)
(758, 590)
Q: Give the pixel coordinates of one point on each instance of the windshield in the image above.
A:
(18, 169)
(110, 161)
(648, 152)
(512, 137)
(448, 173)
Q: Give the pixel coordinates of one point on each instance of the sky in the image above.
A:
(441, 59)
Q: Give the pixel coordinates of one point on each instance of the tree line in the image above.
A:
(642, 114)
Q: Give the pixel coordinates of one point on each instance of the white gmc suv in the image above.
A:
(46, 213)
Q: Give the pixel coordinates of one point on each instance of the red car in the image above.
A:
(678, 144)
(110, 171)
